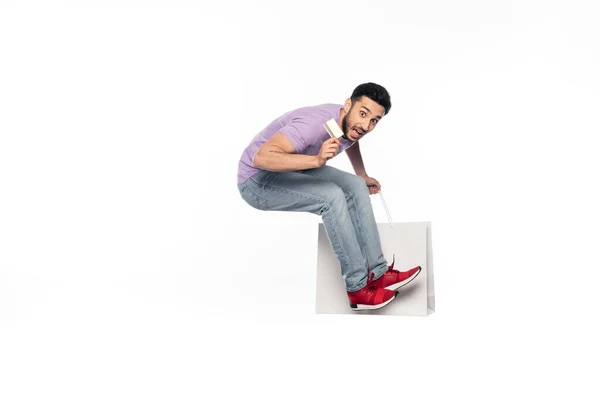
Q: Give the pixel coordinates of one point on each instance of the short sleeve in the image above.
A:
(299, 131)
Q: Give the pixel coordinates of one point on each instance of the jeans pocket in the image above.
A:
(252, 199)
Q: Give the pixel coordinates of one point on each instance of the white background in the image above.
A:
(131, 268)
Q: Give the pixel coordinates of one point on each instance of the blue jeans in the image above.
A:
(341, 198)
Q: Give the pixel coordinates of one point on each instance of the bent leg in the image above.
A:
(294, 191)
(360, 208)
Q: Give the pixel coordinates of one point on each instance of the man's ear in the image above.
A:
(347, 105)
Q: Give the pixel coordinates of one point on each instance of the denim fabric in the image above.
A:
(341, 199)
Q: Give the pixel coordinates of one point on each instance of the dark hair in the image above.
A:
(375, 92)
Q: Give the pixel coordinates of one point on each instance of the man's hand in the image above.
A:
(329, 149)
(373, 184)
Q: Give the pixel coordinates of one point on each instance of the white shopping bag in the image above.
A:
(411, 244)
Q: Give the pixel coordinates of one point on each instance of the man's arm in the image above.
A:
(356, 160)
(278, 155)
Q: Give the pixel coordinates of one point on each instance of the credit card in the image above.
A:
(333, 128)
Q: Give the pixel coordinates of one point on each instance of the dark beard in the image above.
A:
(345, 127)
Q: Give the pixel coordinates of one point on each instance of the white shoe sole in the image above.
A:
(360, 307)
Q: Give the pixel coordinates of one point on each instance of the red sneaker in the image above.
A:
(393, 279)
(370, 297)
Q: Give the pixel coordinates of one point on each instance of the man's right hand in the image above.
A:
(329, 149)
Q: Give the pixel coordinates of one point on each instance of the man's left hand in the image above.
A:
(373, 184)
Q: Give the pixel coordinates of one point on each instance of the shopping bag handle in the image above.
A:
(387, 211)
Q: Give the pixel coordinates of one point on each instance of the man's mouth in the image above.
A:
(355, 133)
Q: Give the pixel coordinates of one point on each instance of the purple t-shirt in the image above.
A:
(303, 127)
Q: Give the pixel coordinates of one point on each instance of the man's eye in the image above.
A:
(374, 121)
(362, 114)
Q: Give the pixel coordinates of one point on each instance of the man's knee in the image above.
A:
(358, 186)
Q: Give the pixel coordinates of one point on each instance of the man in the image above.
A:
(284, 169)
